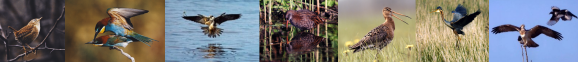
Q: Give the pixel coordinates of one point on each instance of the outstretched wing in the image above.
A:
(537, 30)
(467, 19)
(126, 13)
(225, 17)
(504, 28)
(197, 19)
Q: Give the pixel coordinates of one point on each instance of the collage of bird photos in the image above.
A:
(287, 31)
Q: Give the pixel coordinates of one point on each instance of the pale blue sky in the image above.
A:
(504, 47)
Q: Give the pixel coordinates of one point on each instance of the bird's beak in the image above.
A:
(93, 39)
(436, 10)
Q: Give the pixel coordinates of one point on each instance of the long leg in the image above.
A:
(376, 59)
(522, 52)
(526, 54)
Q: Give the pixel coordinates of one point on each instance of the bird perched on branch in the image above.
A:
(526, 36)
(111, 41)
(558, 14)
(119, 24)
(461, 19)
(212, 22)
(380, 36)
(28, 33)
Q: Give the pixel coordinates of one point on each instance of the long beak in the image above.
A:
(93, 39)
(399, 19)
(401, 14)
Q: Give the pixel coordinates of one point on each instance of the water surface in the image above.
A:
(185, 41)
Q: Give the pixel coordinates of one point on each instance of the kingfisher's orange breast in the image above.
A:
(103, 39)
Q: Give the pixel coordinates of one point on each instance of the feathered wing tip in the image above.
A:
(212, 33)
(128, 12)
(141, 38)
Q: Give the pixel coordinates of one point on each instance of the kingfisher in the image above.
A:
(111, 41)
(212, 22)
(119, 24)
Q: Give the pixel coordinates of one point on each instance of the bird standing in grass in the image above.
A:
(28, 33)
(558, 14)
(119, 23)
(212, 22)
(526, 36)
(380, 36)
(460, 19)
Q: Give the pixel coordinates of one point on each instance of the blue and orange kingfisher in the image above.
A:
(119, 25)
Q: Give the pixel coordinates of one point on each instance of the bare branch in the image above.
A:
(41, 43)
(125, 54)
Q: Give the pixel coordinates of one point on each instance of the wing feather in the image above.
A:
(537, 30)
(505, 28)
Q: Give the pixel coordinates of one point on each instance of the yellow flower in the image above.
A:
(356, 40)
(409, 46)
(348, 43)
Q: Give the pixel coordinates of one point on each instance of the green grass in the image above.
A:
(437, 43)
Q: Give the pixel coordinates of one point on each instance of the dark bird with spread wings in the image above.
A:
(558, 14)
(380, 36)
(460, 19)
(212, 22)
(526, 36)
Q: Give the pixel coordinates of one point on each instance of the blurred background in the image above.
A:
(86, 13)
(360, 17)
(17, 14)
(505, 47)
(186, 41)
(437, 42)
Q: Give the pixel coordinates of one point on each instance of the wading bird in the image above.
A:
(303, 19)
(28, 33)
(558, 14)
(460, 19)
(119, 24)
(212, 22)
(526, 36)
(381, 35)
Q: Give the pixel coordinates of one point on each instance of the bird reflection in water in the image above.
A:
(215, 50)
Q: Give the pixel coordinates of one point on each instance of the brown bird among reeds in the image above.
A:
(380, 36)
(28, 33)
(303, 19)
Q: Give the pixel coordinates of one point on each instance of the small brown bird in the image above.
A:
(28, 33)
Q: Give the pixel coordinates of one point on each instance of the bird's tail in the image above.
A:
(141, 38)
(212, 33)
(461, 32)
(14, 31)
